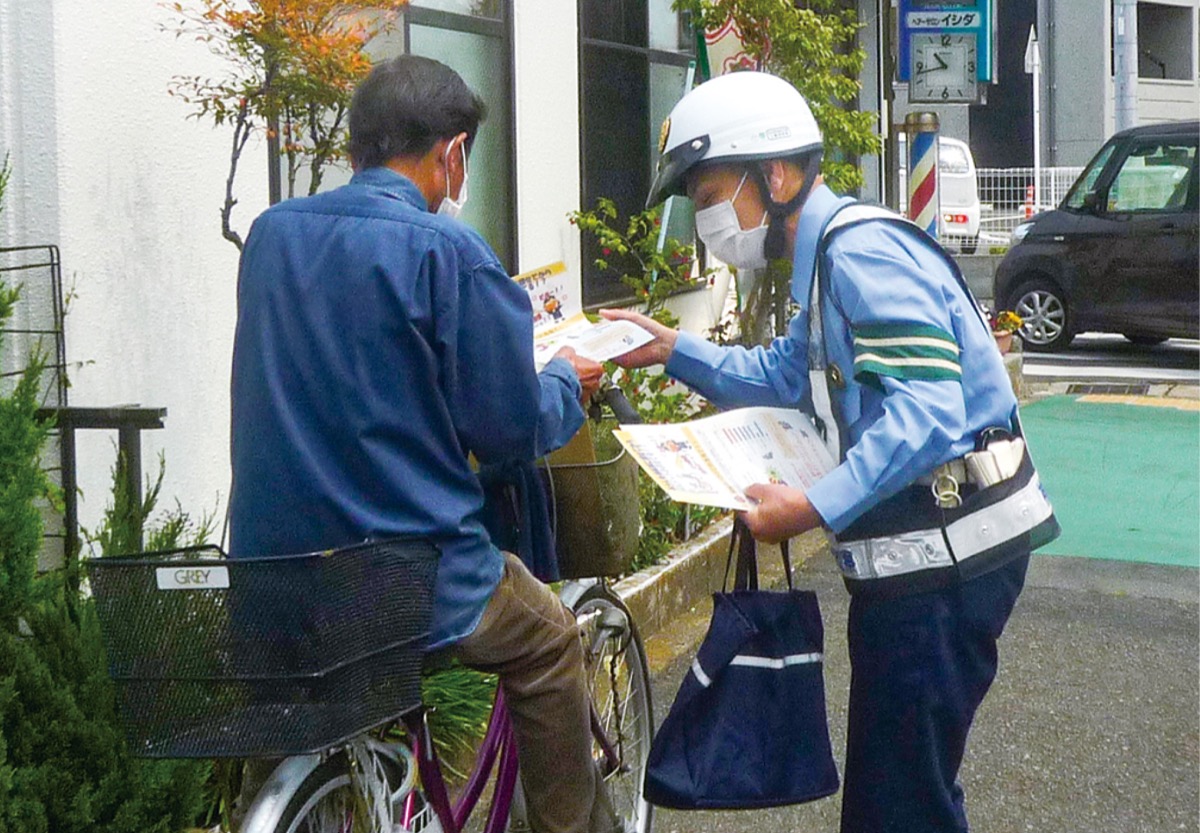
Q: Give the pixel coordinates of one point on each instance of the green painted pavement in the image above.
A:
(1124, 479)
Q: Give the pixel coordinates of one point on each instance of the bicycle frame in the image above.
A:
(499, 744)
(497, 751)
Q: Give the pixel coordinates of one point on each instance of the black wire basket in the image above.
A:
(247, 657)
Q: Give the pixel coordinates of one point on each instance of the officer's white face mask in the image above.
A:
(449, 207)
(722, 232)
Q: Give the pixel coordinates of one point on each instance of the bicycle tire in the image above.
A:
(619, 679)
(324, 803)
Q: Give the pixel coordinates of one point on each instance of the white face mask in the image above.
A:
(722, 232)
(449, 207)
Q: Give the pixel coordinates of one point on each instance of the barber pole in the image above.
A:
(923, 200)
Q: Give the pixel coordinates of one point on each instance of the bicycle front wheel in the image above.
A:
(620, 687)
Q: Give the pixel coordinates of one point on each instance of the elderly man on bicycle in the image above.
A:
(379, 345)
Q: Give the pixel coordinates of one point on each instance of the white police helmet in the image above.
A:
(738, 117)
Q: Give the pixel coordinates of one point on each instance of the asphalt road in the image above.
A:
(1093, 725)
(1107, 357)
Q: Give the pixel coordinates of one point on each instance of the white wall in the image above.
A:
(1162, 100)
(109, 167)
(546, 49)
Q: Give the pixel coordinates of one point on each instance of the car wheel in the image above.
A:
(1043, 309)
(969, 245)
(1145, 341)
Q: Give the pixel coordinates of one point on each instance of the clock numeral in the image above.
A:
(970, 66)
(920, 65)
(945, 92)
(945, 40)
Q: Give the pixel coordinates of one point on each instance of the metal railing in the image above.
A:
(1007, 197)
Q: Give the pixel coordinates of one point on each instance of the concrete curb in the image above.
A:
(685, 582)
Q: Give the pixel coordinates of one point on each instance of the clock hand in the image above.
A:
(941, 63)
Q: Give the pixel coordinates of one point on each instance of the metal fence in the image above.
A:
(1007, 197)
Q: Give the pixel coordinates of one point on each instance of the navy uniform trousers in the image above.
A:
(920, 666)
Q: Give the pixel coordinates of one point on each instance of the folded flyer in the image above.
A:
(599, 342)
(711, 461)
(558, 320)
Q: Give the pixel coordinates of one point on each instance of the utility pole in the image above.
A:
(1033, 66)
(891, 149)
(1125, 61)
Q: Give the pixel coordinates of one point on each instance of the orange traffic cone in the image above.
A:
(1028, 201)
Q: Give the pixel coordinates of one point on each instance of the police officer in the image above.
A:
(934, 506)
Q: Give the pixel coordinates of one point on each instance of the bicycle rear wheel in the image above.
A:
(326, 800)
(620, 685)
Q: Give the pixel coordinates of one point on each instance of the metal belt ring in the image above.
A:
(945, 490)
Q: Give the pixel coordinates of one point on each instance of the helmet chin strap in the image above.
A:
(775, 245)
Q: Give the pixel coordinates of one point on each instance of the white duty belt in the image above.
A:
(928, 549)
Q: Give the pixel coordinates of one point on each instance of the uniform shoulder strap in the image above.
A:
(855, 213)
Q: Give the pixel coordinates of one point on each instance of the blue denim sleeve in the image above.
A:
(560, 415)
(496, 397)
(505, 410)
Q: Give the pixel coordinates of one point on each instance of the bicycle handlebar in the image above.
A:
(614, 399)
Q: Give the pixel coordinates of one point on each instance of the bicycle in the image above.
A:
(243, 700)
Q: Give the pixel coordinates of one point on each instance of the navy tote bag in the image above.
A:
(748, 727)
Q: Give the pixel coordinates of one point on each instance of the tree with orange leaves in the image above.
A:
(292, 69)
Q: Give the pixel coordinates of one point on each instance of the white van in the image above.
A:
(959, 195)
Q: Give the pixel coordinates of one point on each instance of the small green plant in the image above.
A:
(654, 272)
(633, 251)
(5, 173)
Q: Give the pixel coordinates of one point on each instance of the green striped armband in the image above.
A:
(905, 351)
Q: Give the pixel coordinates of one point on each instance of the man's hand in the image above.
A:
(588, 371)
(781, 513)
(657, 351)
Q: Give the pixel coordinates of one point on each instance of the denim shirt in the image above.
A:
(377, 347)
(901, 413)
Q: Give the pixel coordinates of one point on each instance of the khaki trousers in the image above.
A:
(530, 639)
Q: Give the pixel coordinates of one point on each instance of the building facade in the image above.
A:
(108, 167)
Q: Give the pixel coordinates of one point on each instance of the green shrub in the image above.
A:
(64, 766)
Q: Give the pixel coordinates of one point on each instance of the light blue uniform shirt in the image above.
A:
(923, 377)
(377, 346)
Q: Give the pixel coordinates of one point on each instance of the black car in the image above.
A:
(1121, 253)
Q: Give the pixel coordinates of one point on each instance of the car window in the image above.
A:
(1154, 176)
(952, 159)
(1086, 184)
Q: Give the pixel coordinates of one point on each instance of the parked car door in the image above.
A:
(1151, 269)
(1084, 235)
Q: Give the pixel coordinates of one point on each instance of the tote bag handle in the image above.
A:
(745, 572)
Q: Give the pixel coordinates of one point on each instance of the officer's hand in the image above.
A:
(588, 371)
(657, 351)
(781, 512)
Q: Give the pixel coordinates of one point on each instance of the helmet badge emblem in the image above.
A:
(663, 132)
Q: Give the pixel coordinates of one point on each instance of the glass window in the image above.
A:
(1086, 184)
(472, 38)
(634, 57)
(1153, 177)
(952, 159)
(470, 8)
